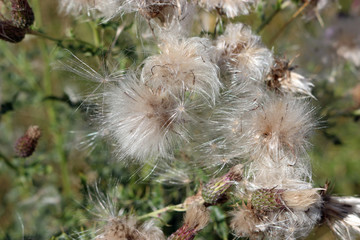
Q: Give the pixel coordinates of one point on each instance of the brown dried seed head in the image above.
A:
(11, 33)
(25, 145)
(22, 14)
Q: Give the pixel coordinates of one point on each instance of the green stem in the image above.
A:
(58, 40)
(293, 17)
(8, 162)
(51, 112)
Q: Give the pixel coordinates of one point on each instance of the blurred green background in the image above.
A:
(47, 195)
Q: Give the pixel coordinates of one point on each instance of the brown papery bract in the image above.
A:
(301, 200)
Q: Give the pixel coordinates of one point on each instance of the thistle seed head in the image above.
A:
(184, 65)
(243, 54)
(282, 78)
(145, 124)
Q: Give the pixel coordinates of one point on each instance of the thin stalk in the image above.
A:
(58, 40)
(270, 17)
(51, 113)
(293, 17)
(8, 162)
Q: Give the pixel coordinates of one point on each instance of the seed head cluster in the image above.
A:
(235, 106)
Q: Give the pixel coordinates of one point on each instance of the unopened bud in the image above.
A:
(25, 145)
(276, 199)
(266, 200)
(11, 33)
(22, 14)
(215, 191)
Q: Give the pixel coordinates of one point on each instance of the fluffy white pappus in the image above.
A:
(219, 146)
(81, 69)
(184, 65)
(291, 224)
(229, 115)
(149, 9)
(145, 124)
(278, 130)
(342, 214)
(107, 9)
(75, 7)
(178, 21)
(175, 174)
(113, 224)
(231, 8)
(243, 54)
(216, 155)
(269, 174)
(245, 223)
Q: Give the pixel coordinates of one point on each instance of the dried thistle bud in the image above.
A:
(244, 222)
(11, 33)
(282, 79)
(155, 9)
(215, 191)
(267, 200)
(196, 218)
(25, 145)
(22, 14)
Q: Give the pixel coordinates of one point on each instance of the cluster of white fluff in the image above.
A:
(75, 7)
(149, 116)
(243, 54)
(163, 10)
(113, 224)
(231, 99)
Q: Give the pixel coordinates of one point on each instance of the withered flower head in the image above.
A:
(22, 14)
(282, 78)
(25, 145)
(22, 17)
